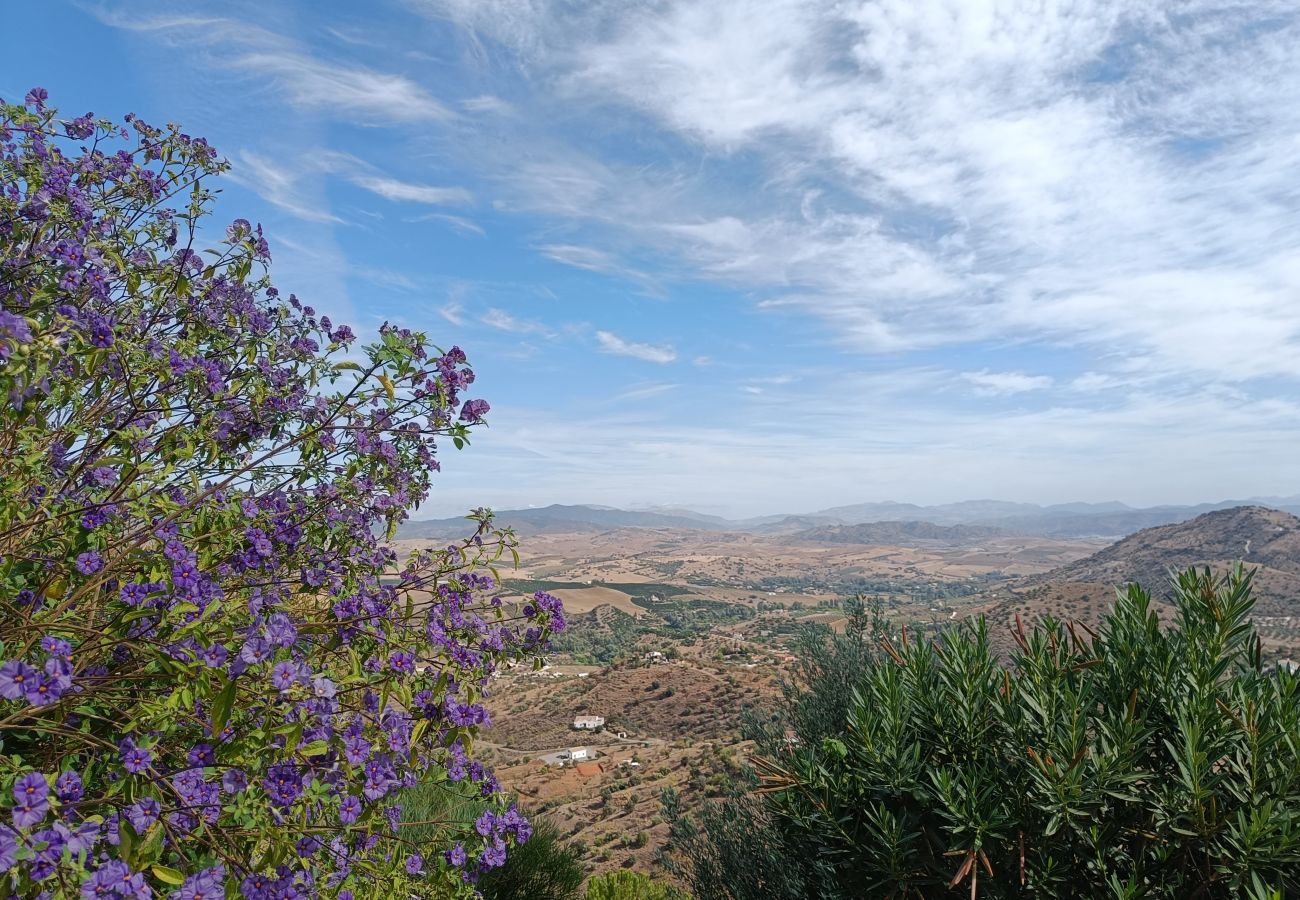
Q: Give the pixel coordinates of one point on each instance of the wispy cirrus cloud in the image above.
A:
(301, 79)
(655, 353)
(393, 189)
(595, 260)
(282, 187)
(504, 321)
(289, 184)
(1003, 383)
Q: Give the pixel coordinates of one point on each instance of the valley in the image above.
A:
(677, 634)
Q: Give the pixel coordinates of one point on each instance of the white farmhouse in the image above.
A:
(588, 723)
(579, 753)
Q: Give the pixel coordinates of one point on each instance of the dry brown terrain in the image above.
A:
(682, 715)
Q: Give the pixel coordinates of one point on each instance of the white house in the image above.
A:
(579, 753)
(588, 723)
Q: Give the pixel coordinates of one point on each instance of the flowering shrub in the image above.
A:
(215, 679)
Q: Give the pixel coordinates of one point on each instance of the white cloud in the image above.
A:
(453, 312)
(392, 189)
(926, 174)
(289, 185)
(645, 391)
(459, 223)
(594, 260)
(487, 103)
(354, 91)
(612, 343)
(1145, 450)
(1002, 383)
(279, 186)
(1091, 382)
(330, 86)
(504, 321)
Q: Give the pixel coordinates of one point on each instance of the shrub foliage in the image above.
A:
(1140, 761)
(214, 676)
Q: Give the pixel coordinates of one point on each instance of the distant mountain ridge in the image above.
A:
(557, 519)
(1064, 520)
(902, 533)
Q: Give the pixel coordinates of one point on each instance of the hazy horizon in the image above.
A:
(428, 513)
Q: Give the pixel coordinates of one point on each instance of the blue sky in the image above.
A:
(771, 256)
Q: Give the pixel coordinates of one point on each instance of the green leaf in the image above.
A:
(315, 748)
(167, 875)
(221, 708)
(152, 845)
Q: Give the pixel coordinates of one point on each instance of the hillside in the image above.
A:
(1267, 540)
(1262, 538)
(902, 533)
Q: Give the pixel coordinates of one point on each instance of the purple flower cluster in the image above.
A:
(39, 687)
(203, 563)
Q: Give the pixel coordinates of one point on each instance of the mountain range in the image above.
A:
(1063, 520)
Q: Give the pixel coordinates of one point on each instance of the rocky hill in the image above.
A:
(1266, 540)
(1262, 538)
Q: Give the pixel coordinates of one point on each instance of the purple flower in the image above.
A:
(57, 646)
(15, 676)
(8, 849)
(255, 650)
(206, 885)
(79, 839)
(114, 879)
(215, 657)
(135, 759)
(456, 856)
(68, 788)
(234, 781)
(143, 813)
(202, 755)
(90, 562)
(349, 809)
(281, 630)
(36, 97)
(356, 749)
(283, 783)
(31, 799)
(13, 329)
(174, 550)
(284, 674)
(414, 864)
(474, 410)
(260, 543)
